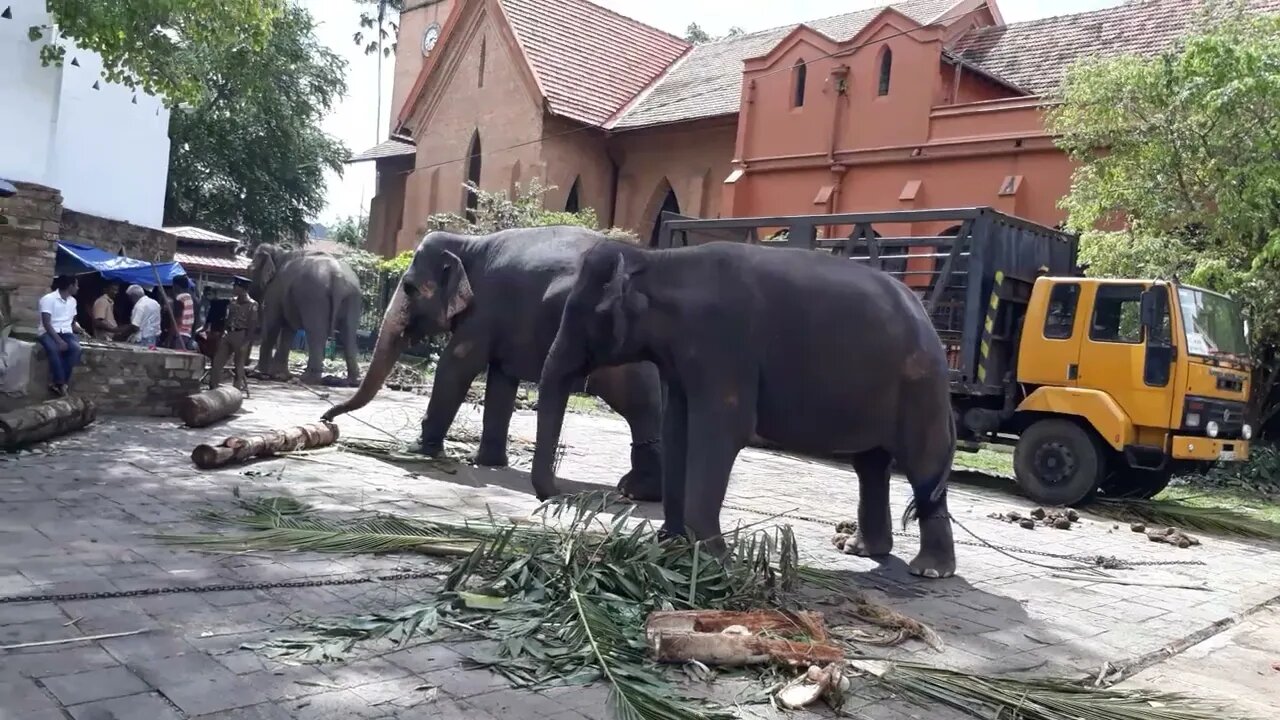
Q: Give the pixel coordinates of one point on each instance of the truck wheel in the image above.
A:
(1141, 484)
(1057, 462)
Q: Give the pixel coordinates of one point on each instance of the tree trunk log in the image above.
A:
(46, 420)
(210, 406)
(273, 442)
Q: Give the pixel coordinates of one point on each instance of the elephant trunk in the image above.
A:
(561, 372)
(390, 344)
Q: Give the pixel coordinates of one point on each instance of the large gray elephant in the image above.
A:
(815, 353)
(306, 290)
(501, 296)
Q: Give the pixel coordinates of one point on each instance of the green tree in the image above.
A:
(695, 35)
(147, 44)
(249, 158)
(1183, 149)
(351, 231)
(379, 25)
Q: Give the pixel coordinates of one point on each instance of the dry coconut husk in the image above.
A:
(863, 608)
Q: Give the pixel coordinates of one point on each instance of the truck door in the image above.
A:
(1051, 335)
(1115, 357)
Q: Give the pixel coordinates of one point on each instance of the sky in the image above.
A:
(355, 119)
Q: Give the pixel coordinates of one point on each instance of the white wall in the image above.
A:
(107, 149)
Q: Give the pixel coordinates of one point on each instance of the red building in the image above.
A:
(918, 104)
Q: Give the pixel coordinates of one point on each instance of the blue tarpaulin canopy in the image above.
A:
(75, 259)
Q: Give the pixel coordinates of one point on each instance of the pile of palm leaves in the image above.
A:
(564, 600)
(1173, 513)
(459, 446)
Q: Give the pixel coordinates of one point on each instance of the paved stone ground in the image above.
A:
(75, 517)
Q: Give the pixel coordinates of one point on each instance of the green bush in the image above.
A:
(497, 211)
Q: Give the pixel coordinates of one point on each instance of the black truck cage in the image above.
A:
(963, 275)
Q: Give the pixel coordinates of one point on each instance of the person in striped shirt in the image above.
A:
(185, 312)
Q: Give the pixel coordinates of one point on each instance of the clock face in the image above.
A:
(429, 38)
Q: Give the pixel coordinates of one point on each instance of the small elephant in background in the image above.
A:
(306, 290)
(500, 297)
(815, 353)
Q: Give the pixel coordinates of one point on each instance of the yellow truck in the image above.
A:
(1100, 385)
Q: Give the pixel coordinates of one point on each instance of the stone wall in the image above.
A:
(30, 228)
(120, 379)
(140, 243)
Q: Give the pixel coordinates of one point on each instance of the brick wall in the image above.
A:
(120, 379)
(27, 237)
(141, 243)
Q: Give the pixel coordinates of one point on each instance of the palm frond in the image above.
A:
(986, 696)
(1173, 513)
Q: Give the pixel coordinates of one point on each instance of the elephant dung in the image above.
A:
(208, 407)
(239, 449)
(717, 637)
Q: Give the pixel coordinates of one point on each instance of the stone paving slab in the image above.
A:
(75, 517)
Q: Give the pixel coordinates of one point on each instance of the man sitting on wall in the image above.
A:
(57, 332)
(240, 328)
(104, 313)
(144, 320)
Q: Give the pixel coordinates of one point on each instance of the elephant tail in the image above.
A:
(928, 489)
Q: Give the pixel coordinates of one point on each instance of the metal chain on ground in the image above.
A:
(1095, 560)
(171, 589)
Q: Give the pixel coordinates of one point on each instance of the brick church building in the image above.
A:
(918, 104)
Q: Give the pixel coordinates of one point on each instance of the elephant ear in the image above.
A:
(266, 269)
(457, 288)
(619, 303)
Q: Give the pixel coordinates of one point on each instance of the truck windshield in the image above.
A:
(1213, 323)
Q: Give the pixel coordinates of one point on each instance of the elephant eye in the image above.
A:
(409, 288)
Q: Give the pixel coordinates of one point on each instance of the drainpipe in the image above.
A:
(613, 180)
(840, 76)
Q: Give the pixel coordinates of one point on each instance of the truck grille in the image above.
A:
(1229, 414)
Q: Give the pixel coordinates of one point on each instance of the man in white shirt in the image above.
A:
(57, 332)
(144, 320)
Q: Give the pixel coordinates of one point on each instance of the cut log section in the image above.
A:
(208, 407)
(717, 637)
(273, 442)
(49, 419)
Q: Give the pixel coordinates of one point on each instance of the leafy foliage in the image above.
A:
(694, 34)
(351, 231)
(1184, 149)
(148, 44)
(498, 211)
(565, 600)
(249, 158)
(383, 21)
(1172, 513)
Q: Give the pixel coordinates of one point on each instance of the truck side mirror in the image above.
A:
(1150, 312)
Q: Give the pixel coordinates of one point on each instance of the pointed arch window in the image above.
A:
(470, 198)
(573, 204)
(886, 70)
(799, 74)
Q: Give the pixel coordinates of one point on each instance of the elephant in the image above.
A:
(500, 296)
(308, 290)
(815, 353)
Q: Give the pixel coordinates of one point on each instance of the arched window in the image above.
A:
(886, 70)
(483, 47)
(473, 176)
(572, 203)
(669, 204)
(798, 75)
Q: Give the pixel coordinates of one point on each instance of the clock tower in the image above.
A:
(420, 28)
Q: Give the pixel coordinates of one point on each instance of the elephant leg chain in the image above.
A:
(170, 590)
(1101, 561)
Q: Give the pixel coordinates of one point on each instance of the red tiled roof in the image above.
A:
(200, 235)
(215, 263)
(589, 60)
(1035, 55)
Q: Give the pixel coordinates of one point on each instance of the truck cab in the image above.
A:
(1124, 383)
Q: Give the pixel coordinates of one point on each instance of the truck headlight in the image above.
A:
(1211, 428)
(1193, 420)
(1246, 432)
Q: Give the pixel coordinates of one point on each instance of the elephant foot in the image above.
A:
(491, 457)
(937, 558)
(868, 545)
(310, 378)
(667, 533)
(430, 448)
(641, 487)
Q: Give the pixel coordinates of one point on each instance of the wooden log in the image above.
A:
(208, 407)
(47, 420)
(273, 442)
(716, 637)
